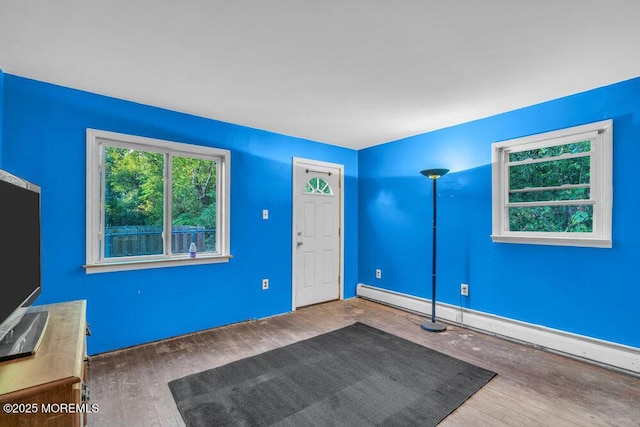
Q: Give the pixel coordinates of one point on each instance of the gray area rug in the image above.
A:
(354, 376)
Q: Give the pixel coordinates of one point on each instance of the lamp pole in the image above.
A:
(433, 326)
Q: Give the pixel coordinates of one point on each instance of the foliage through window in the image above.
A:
(141, 191)
(554, 188)
(317, 185)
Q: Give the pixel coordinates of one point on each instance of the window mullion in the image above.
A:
(167, 204)
(555, 187)
(551, 203)
(549, 159)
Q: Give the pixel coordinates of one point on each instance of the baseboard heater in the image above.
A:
(616, 356)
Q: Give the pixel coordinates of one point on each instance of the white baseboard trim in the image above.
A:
(617, 356)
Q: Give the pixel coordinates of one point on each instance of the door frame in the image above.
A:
(296, 191)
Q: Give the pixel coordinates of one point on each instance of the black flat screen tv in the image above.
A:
(20, 267)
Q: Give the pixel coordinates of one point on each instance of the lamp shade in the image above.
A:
(434, 173)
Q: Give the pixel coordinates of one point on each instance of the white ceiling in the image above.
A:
(353, 73)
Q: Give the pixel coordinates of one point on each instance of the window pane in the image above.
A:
(194, 204)
(317, 186)
(574, 218)
(556, 150)
(133, 202)
(549, 195)
(550, 174)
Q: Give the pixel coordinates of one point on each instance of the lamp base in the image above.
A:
(430, 326)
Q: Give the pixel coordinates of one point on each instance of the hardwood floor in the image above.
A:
(532, 388)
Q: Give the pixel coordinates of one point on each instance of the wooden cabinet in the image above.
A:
(49, 388)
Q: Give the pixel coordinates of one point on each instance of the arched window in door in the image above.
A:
(317, 185)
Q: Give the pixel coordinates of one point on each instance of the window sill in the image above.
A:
(591, 242)
(106, 267)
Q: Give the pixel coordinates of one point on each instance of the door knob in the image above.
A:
(299, 243)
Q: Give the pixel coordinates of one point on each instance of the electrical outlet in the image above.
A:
(464, 290)
(378, 273)
(265, 284)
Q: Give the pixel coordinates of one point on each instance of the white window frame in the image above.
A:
(601, 186)
(95, 263)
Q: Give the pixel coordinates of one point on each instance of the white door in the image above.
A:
(317, 202)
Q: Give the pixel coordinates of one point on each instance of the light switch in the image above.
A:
(265, 214)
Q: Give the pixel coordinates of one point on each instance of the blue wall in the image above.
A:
(1, 111)
(588, 291)
(44, 142)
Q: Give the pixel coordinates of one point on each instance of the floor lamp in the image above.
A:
(433, 326)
